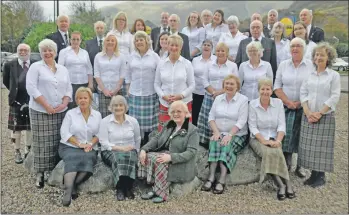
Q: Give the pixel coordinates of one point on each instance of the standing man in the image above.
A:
(256, 16)
(206, 17)
(175, 21)
(272, 18)
(61, 37)
(315, 33)
(154, 35)
(96, 44)
(14, 78)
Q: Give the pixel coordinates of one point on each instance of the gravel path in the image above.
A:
(19, 195)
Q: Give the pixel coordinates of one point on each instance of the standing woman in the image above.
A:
(215, 29)
(200, 66)
(277, 33)
(162, 47)
(213, 83)
(319, 97)
(174, 79)
(138, 25)
(49, 87)
(109, 72)
(143, 100)
(78, 63)
(195, 33)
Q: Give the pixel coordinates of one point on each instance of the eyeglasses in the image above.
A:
(252, 51)
(176, 112)
(23, 50)
(75, 39)
(121, 20)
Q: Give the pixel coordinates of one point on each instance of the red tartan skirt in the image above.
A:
(164, 117)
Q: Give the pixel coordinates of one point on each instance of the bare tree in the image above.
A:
(34, 11)
(85, 12)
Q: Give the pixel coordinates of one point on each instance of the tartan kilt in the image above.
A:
(14, 115)
(121, 163)
(164, 117)
(46, 139)
(316, 144)
(155, 173)
(103, 103)
(75, 88)
(293, 126)
(228, 153)
(203, 125)
(146, 110)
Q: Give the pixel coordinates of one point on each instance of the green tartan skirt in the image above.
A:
(293, 126)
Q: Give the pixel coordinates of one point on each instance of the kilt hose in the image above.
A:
(164, 117)
(227, 154)
(197, 102)
(316, 144)
(15, 121)
(203, 126)
(146, 110)
(121, 163)
(46, 139)
(104, 102)
(73, 104)
(156, 174)
(293, 126)
(273, 160)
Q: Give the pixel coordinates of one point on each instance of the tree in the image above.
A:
(85, 12)
(33, 10)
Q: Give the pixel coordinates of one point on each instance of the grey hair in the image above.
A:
(233, 20)
(278, 24)
(183, 106)
(177, 18)
(23, 44)
(299, 41)
(47, 43)
(206, 11)
(257, 45)
(265, 81)
(118, 99)
(145, 36)
(309, 11)
(62, 16)
(273, 11)
(330, 51)
(100, 23)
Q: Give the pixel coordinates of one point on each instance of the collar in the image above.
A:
(215, 62)
(309, 27)
(173, 33)
(326, 72)
(21, 62)
(235, 97)
(259, 38)
(78, 111)
(172, 124)
(179, 59)
(64, 33)
(258, 104)
(136, 53)
(98, 38)
(261, 63)
(112, 118)
(42, 62)
(302, 62)
(212, 57)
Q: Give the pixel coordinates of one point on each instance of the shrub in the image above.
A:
(342, 50)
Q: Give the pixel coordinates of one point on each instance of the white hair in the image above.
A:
(118, 99)
(99, 23)
(62, 16)
(233, 20)
(182, 105)
(206, 11)
(47, 43)
(177, 18)
(257, 45)
(273, 11)
(25, 45)
(299, 41)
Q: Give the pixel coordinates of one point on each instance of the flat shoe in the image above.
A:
(215, 191)
(280, 197)
(290, 195)
(148, 195)
(204, 188)
(318, 183)
(120, 195)
(158, 200)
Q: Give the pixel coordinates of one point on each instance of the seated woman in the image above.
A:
(78, 147)
(176, 145)
(120, 138)
(227, 119)
(267, 125)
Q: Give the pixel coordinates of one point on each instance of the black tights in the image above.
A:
(73, 179)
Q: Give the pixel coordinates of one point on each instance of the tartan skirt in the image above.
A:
(76, 159)
(164, 117)
(227, 154)
(121, 163)
(46, 139)
(273, 160)
(103, 103)
(75, 88)
(146, 110)
(155, 173)
(15, 121)
(203, 125)
(316, 144)
(293, 126)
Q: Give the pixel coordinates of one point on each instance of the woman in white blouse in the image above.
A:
(49, 87)
(228, 121)
(319, 96)
(78, 147)
(174, 79)
(289, 77)
(109, 71)
(142, 98)
(78, 63)
(200, 66)
(119, 136)
(162, 46)
(233, 37)
(212, 81)
(216, 28)
(254, 69)
(195, 33)
(277, 33)
(267, 126)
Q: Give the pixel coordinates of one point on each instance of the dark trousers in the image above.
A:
(197, 102)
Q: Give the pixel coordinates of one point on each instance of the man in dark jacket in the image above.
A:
(315, 33)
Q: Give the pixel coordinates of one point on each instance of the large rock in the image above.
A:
(177, 190)
(29, 163)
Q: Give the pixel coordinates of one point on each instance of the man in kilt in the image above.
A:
(14, 77)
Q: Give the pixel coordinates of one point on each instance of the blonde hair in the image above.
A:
(224, 46)
(237, 80)
(83, 90)
(182, 105)
(116, 51)
(121, 13)
(118, 99)
(199, 24)
(265, 81)
(175, 39)
(145, 36)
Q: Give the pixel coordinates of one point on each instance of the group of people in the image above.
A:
(209, 85)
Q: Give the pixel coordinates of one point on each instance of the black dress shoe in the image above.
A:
(120, 195)
(311, 179)
(318, 182)
(215, 191)
(39, 181)
(280, 197)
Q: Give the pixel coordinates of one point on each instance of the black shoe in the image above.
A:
(311, 179)
(290, 195)
(39, 181)
(66, 201)
(120, 195)
(319, 181)
(130, 194)
(206, 146)
(18, 157)
(204, 188)
(280, 197)
(26, 151)
(74, 194)
(215, 191)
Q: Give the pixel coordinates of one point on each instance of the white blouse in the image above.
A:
(290, 78)
(228, 114)
(112, 133)
(321, 89)
(41, 81)
(110, 71)
(74, 124)
(125, 41)
(171, 79)
(266, 122)
(196, 37)
(307, 53)
(141, 73)
(200, 67)
(232, 42)
(78, 65)
(214, 34)
(281, 50)
(249, 77)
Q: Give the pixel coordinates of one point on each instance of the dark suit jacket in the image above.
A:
(92, 48)
(58, 39)
(269, 53)
(185, 49)
(154, 35)
(11, 73)
(316, 34)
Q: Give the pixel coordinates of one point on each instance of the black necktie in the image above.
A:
(25, 67)
(66, 39)
(256, 40)
(100, 45)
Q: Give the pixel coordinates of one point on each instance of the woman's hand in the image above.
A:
(60, 107)
(166, 98)
(127, 148)
(115, 92)
(226, 140)
(217, 93)
(291, 105)
(50, 110)
(88, 148)
(83, 146)
(176, 97)
(231, 58)
(275, 144)
(163, 158)
(313, 117)
(90, 85)
(216, 136)
(107, 92)
(142, 157)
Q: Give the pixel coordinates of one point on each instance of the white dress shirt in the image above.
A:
(110, 71)
(321, 89)
(78, 65)
(226, 114)
(196, 37)
(112, 133)
(171, 79)
(98, 39)
(249, 77)
(215, 74)
(266, 122)
(232, 42)
(20, 62)
(308, 30)
(41, 81)
(74, 124)
(141, 73)
(162, 29)
(200, 67)
(214, 34)
(281, 50)
(163, 55)
(289, 79)
(67, 42)
(125, 41)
